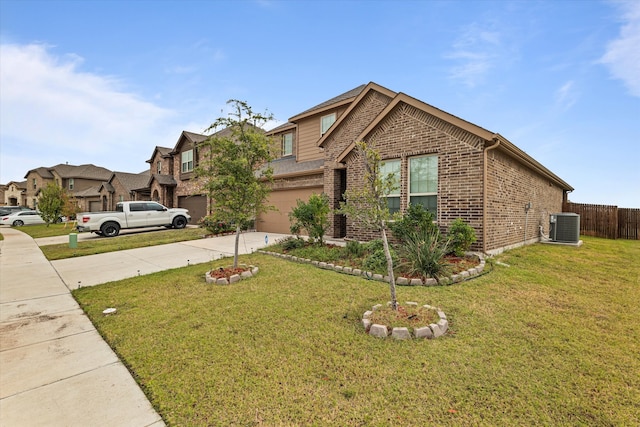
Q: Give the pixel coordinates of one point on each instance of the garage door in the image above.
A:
(95, 206)
(197, 206)
(284, 201)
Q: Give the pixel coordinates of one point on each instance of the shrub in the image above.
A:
(461, 236)
(290, 243)
(354, 249)
(415, 218)
(376, 261)
(215, 226)
(424, 251)
(312, 216)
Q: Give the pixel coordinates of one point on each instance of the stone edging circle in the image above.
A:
(402, 281)
(434, 330)
(235, 278)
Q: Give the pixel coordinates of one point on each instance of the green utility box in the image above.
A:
(73, 240)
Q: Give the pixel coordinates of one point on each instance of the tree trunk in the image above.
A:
(235, 253)
(392, 279)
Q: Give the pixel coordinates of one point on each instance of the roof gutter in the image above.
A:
(484, 193)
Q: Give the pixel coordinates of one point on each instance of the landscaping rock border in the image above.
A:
(401, 281)
(252, 271)
(434, 330)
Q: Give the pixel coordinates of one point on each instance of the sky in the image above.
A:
(105, 82)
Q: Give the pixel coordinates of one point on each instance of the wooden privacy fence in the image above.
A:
(606, 221)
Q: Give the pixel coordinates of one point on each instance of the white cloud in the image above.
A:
(622, 56)
(52, 112)
(566, 96)
(476, 52)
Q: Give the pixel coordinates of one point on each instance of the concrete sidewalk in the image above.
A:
(55, 369)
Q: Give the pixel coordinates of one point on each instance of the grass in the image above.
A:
(41, 230)
(129, 241)
(553, 339)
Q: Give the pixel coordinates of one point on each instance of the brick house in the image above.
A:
(173, 181)
(452, 167)
(82, 182)
(124, 187)
(15, 193)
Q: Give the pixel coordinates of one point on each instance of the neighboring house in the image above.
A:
(454, 168)
(82, 182)
(124, 187)
(161, 183)
(3, 188)
(188, 192)
(15, 193)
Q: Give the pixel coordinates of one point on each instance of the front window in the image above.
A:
(187, 161)
(159, 167)
(326, 122)
(35, 184)
(423, 182)
(390, 170)
(71, 183)
(287, 144)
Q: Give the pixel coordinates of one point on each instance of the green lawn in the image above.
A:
(553, 339)
(128, 241)
(42, 230)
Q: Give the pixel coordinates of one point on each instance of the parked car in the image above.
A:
(20, 218)
(135, 214)
(25, 217)
(8, 210)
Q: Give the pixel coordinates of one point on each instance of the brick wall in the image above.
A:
(510, 186)
(369, 107)
(408, 132)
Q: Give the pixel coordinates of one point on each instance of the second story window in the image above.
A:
(326, 122)
(159, 167)
(35, 185)
(187, 161)
(71, 184)
(287, 144)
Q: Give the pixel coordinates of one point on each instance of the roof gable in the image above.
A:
(334, 102)
(363, 93)
(402, 98)
(188, 137)
(162, 151)
(456, 124)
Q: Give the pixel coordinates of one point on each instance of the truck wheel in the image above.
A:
(110, 229)
(179, 222)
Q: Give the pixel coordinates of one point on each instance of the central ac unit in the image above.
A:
(564, 227)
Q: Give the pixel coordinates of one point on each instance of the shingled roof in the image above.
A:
(87, 171)
(132, 181)
(348, 95)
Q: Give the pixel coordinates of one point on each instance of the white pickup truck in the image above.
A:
(132, 215)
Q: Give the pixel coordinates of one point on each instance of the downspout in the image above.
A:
(484, 195)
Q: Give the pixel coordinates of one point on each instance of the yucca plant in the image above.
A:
(423, 252)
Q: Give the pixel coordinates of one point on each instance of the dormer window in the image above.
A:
(326, 122)
(287, 144)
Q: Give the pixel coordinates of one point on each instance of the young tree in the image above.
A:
(368, 205)
(70, 208)
(234, 168)
(51, 202)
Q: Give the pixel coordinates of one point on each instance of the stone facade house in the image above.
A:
(15, 193)
(452, 167)
(124, 187)
(82, 182)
